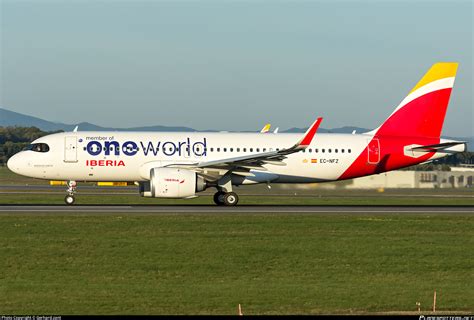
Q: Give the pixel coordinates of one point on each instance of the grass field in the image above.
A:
(208, 264)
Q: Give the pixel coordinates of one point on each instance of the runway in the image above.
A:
(133, 190)
(211, 209)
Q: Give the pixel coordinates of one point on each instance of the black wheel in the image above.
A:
(219, 198)
(231, 199)
(69, 199)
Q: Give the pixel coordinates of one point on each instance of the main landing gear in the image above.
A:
(222, 198)
(224, 195)
(71, 189)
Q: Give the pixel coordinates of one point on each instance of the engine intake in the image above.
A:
(172, 183)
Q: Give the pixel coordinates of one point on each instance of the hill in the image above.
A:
(11, 118)
(15, 119)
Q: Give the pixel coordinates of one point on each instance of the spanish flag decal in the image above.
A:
(314, 160)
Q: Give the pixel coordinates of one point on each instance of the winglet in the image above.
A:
(309, 135)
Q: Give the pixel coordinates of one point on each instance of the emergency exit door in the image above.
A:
(70, 149)
(373, 151)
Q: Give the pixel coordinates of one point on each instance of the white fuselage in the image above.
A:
(129, 156)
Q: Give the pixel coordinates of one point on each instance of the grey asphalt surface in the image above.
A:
(204, 209)
(132, 190)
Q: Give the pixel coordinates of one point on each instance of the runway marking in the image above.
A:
(242, 209)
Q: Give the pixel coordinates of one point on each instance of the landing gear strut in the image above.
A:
(71, 189)
(224, 195)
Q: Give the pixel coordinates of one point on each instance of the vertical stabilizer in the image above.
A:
(422, 112)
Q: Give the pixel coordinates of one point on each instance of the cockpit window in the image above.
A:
(37, 147)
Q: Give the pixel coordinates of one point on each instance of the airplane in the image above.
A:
(266, 128)
(182, 164)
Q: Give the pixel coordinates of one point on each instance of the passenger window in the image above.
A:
(218, 149)
(258, 149)
(251, 149)
(238, 149)
(329, 150)
(315, 150)
(245, 149)
(322, 150)
(310, 150)
(348, 150)
(231, 149)
(342, 150)
(335, 150)
(264, 149)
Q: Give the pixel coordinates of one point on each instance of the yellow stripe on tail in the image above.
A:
(438, 71)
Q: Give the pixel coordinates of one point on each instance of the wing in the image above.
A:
(243, 164)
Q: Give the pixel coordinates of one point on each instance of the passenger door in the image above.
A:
(373, 151)
(70, 149)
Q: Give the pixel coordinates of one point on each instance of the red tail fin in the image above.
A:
(422, 112)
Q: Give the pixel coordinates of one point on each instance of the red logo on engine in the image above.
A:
(174, 180)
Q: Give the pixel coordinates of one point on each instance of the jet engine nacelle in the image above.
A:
(172, 183)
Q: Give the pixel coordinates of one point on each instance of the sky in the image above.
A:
(230, 65)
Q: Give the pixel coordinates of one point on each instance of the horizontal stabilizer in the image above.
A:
(438, 147)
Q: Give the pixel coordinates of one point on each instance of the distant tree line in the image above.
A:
(14, 139)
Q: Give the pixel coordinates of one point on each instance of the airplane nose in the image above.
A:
(13, 163)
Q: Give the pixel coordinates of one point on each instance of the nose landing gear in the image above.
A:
(71, 189)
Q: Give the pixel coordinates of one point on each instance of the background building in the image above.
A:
(458, 177)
